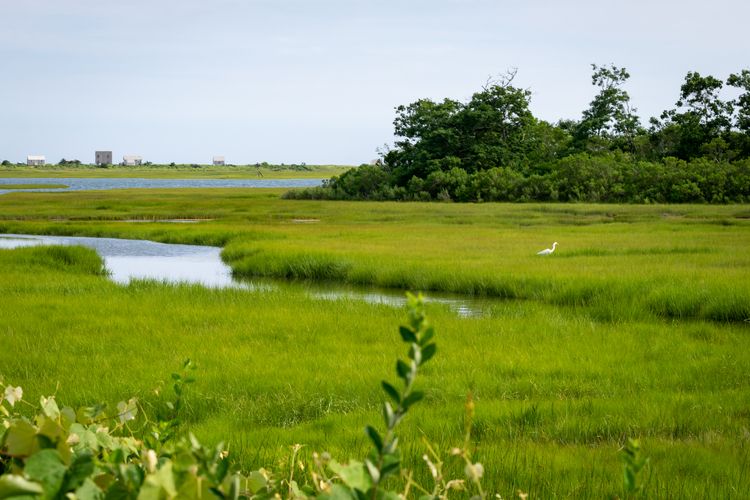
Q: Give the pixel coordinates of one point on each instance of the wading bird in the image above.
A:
(548, 251)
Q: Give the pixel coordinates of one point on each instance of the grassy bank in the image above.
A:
(557, 389)
(176, 172)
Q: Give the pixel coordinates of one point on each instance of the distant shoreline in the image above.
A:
(175, 172)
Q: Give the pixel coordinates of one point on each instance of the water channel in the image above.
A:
(86, 184)
(139, 259)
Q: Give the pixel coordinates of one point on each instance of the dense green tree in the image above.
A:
(742, 81)
(490, 130)
(610, 116)
(705, 118)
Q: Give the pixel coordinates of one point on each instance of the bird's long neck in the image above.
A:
(553, 246)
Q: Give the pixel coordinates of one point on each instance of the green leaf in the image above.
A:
(427, 336)
(13, 485)
(20, 438)
(187, 363)
(256, 481)
(48, 468)
(407, 334)
(391, 391)
(374, 437)
(117, 456)
(89, 491)
(354, 475)
(373, 471)
(118, 491)
(49, 407)
(175, 377)
(234, 489)
(428, 352)
(388, 415)
(95, 411)
(338, 492)
(176, 389)
(159, 485)
(170, 405)
(412, 398)
(221, 470)
(402, 369)
(190, 379)
(81, 468)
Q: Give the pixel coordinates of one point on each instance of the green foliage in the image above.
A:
(604, 178)
(492, 149)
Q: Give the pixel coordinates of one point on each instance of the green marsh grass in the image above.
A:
(672, 261)
(557, 390)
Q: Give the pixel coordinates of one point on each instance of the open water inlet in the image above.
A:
(143, 259)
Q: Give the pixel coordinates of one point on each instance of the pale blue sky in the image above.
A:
(316, 81)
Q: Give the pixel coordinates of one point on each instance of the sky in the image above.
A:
(317, 81)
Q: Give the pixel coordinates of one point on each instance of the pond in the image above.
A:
(138, 259)
(85, 184)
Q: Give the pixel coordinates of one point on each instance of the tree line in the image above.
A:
(492, 148)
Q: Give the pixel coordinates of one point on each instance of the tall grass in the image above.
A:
(557, 389)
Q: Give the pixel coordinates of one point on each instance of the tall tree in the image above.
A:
(742, 81)
(610, 115)
(705, 118)
(488, 131)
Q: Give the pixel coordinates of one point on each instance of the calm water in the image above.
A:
(91, 184)
(128, 259)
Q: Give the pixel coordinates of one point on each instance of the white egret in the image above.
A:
(548, 251)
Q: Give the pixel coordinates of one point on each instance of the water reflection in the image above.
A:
(137, 259)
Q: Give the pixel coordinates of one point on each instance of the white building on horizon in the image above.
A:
(132, 161)
(218, 160)
(35, 160)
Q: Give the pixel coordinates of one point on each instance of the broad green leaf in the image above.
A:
(428, 352)
(49, 407)
(256, 481)
(159, 484)
(338, 492)
(427, 336)
(48, 468)
(21, 438)
(80, 468)
(354, 475)
(175, 377)
(95, 411)
(89, 491)
(68, 417)
(13, 485)
(118, 491)
(407, 334)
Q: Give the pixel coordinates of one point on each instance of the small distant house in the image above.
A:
(104, 157)
(132, 160)
(35, 160)
(218, 160)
